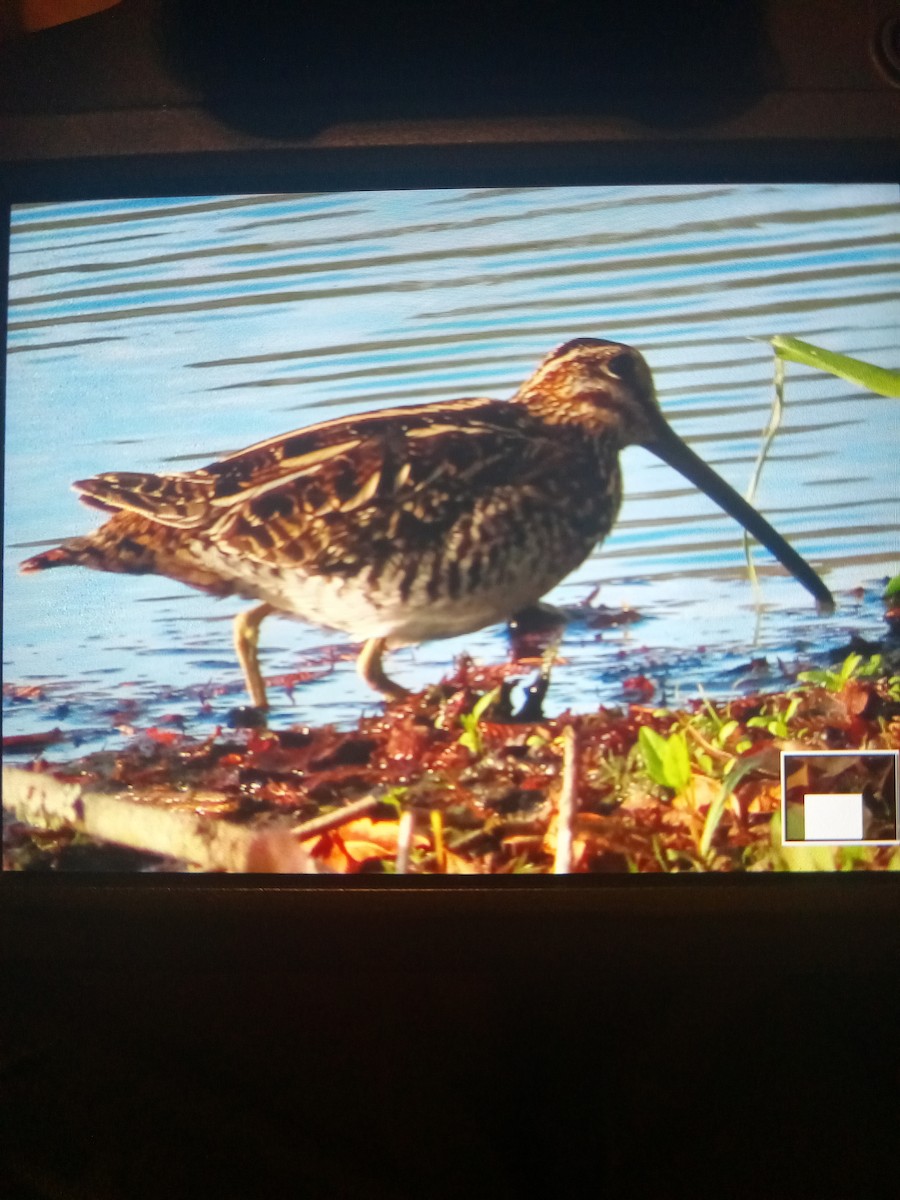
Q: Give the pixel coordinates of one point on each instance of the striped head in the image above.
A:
(605, 387)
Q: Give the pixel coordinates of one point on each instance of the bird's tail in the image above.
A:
(120, 545)
(141, 536)
(70, 554)
(129, 544)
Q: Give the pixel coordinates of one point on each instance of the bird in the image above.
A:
(410, 523)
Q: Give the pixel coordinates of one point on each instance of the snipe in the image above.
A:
(411, 523)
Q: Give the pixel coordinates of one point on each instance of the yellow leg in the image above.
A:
(246, 640)
(370, 669)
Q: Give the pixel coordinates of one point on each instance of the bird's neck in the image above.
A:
(596, 414)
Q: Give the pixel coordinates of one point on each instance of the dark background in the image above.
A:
(190, 1039)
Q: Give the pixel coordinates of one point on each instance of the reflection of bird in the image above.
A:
(412, 523)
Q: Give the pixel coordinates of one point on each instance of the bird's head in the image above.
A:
(606, 389)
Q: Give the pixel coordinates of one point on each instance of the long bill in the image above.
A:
(668, 446)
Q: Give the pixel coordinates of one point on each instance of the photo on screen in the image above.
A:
(570, 700)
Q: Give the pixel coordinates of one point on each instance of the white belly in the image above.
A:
(392, 608)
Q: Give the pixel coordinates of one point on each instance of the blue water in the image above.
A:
(160, 334)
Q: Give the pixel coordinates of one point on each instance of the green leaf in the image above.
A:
(834, 680)
(726, 731)
(471, 736)
(893, 587)
(395, 797)
(678, 761)
(866, 375)
(808, 857)
(667, 760)
(729, 783)
(484, 703)
(652, 748)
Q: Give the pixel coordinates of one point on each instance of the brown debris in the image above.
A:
(428, 787)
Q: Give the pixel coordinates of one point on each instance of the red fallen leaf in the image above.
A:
(260, 741)
(861, 699)
(25, 743)
(407, 740)
(21, 691)
(451, 758)
(469, 676)
(451, 710)
(534, 783)
(285, 793)
(165, 737)
(638, 686)
(497, 734)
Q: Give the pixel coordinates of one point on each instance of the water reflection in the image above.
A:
(161, 334)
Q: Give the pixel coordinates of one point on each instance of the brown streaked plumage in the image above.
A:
(411, 523)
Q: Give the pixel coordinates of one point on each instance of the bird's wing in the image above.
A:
(354, 491)
(346, 457)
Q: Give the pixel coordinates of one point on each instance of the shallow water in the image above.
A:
(158, 335)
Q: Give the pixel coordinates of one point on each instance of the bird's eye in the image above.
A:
(622, 366)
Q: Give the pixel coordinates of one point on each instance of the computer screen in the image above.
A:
(402, 421)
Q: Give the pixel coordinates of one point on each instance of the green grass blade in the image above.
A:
(774, 424)
(874, 379)
(714, 815)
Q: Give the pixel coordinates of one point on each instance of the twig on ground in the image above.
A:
(404, 840)
(568, 803)
(714, 752)
(204, 840)
(334, 820)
